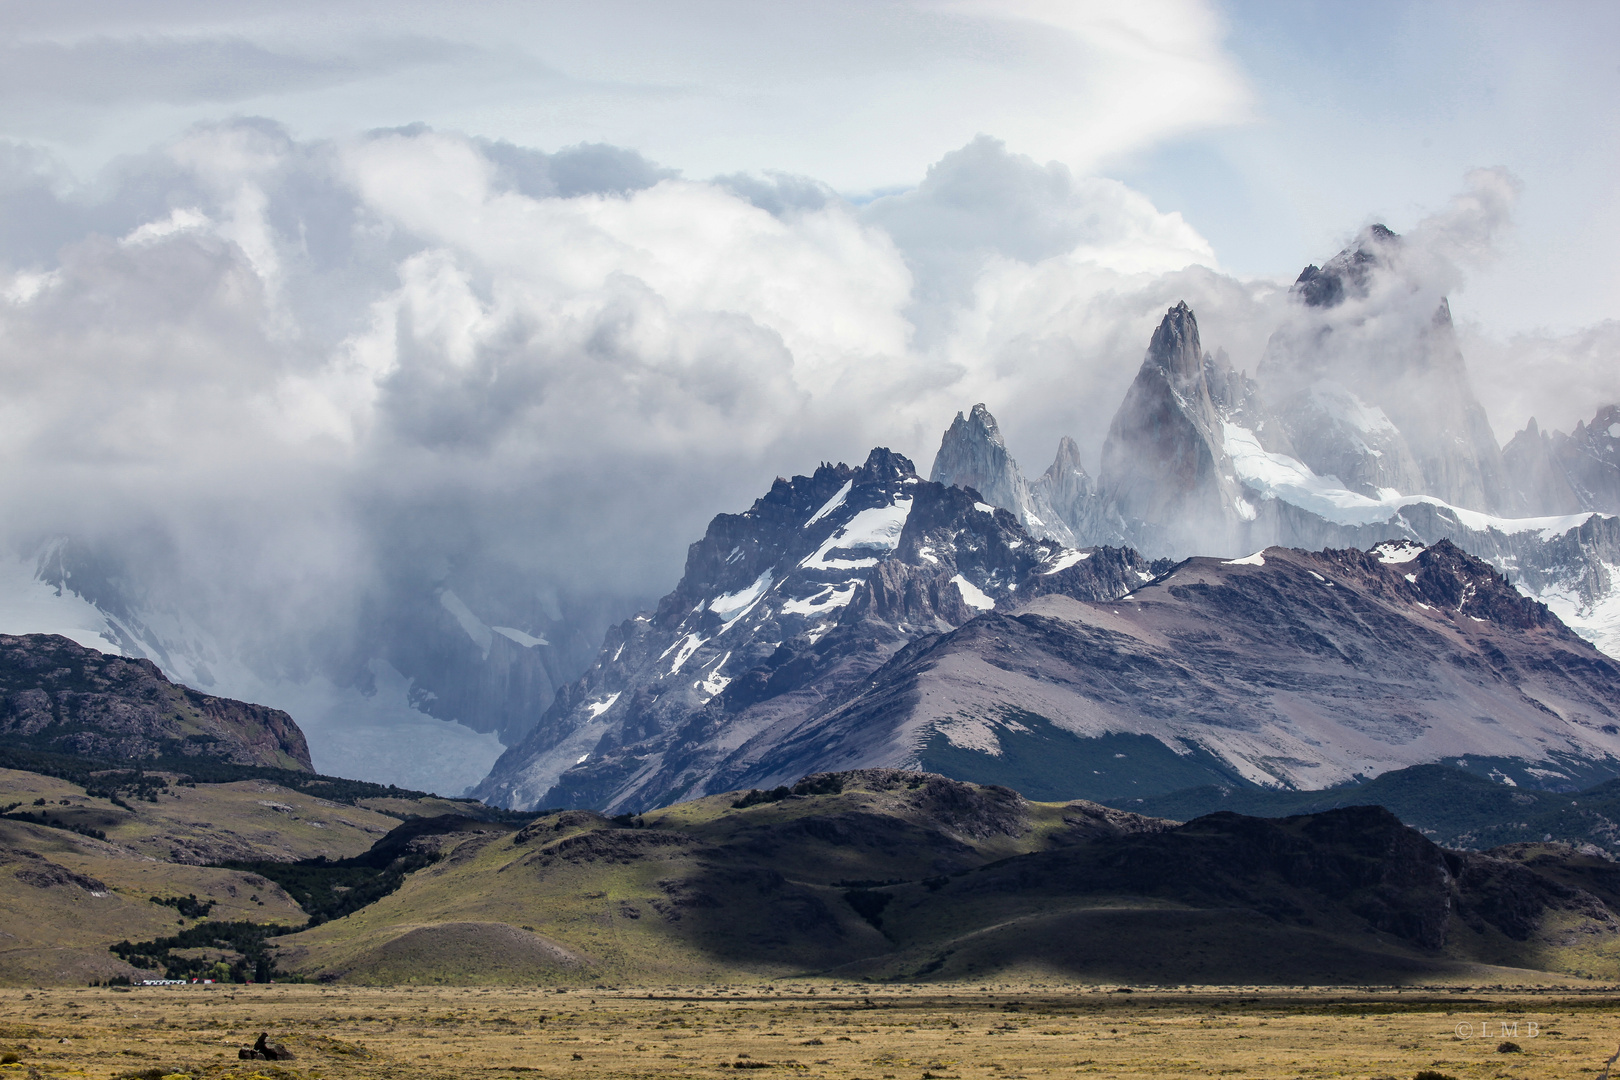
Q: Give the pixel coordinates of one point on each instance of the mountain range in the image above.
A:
(182, 857)
(994, 628)
(1357, 437)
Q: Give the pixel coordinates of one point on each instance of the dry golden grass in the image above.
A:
(60, 934)
(814, 1030)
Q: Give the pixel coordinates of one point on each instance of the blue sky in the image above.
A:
(1372, 110)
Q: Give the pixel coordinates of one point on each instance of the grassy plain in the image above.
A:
(817, 1030)
(60, 933)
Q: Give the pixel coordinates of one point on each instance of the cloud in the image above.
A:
(1466, 235)
(291, 385)
(316, 368)
(103, 70)
(861, 94)
(983, 204)
(586, 169)
(1557, 378)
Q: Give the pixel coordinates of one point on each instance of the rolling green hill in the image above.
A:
(80, 865)
(875, 874)
(880, 874)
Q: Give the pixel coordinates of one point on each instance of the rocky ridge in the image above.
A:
(59, 696)
(1555, 473)
(780, 609)
(1286, 669)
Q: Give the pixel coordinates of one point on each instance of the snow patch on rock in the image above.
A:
(972, 595)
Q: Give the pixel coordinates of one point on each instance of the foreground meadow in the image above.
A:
(838, 1032)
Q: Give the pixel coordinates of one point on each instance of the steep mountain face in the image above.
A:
(1536, 475)
(973, 456)
(780, 610)
(57, 695)
(1165, 474)
(1380, 400)
(1555, 473)
(1285, 668)
(489, 678)
(1591, 460)
(1576, 572)
(1072, 494)
(1355, 416)
(1061, 504)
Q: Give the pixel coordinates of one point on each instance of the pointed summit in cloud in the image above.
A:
(1164, 468)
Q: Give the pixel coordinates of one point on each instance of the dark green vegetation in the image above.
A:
(325, 888)
(1451, 806)
(1048, 763)
(188, 906)
(332, 888)
(229, 951)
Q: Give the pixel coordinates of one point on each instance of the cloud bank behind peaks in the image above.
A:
(288, 383)
(567, 347)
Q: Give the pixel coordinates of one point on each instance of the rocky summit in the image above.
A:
(783, 608)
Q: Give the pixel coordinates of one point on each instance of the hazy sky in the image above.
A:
(316, 298)
(1274, 128)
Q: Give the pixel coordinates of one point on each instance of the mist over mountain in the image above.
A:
(888, 667)
(388, 431)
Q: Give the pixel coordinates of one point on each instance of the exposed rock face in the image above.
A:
(1289, 668)
(1379, 398)
(1072, 494)
(780, 609)
(60, 696)
(1347, 273)
(1591, 460)
(1164, 470)
(1555, 473)
(973, 456)
(1537, 476)
(489, 678)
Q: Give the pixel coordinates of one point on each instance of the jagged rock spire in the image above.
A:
(1164, 472)
(1432, 437)
(973, 455)
(1175, 347)
(1346, 273)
